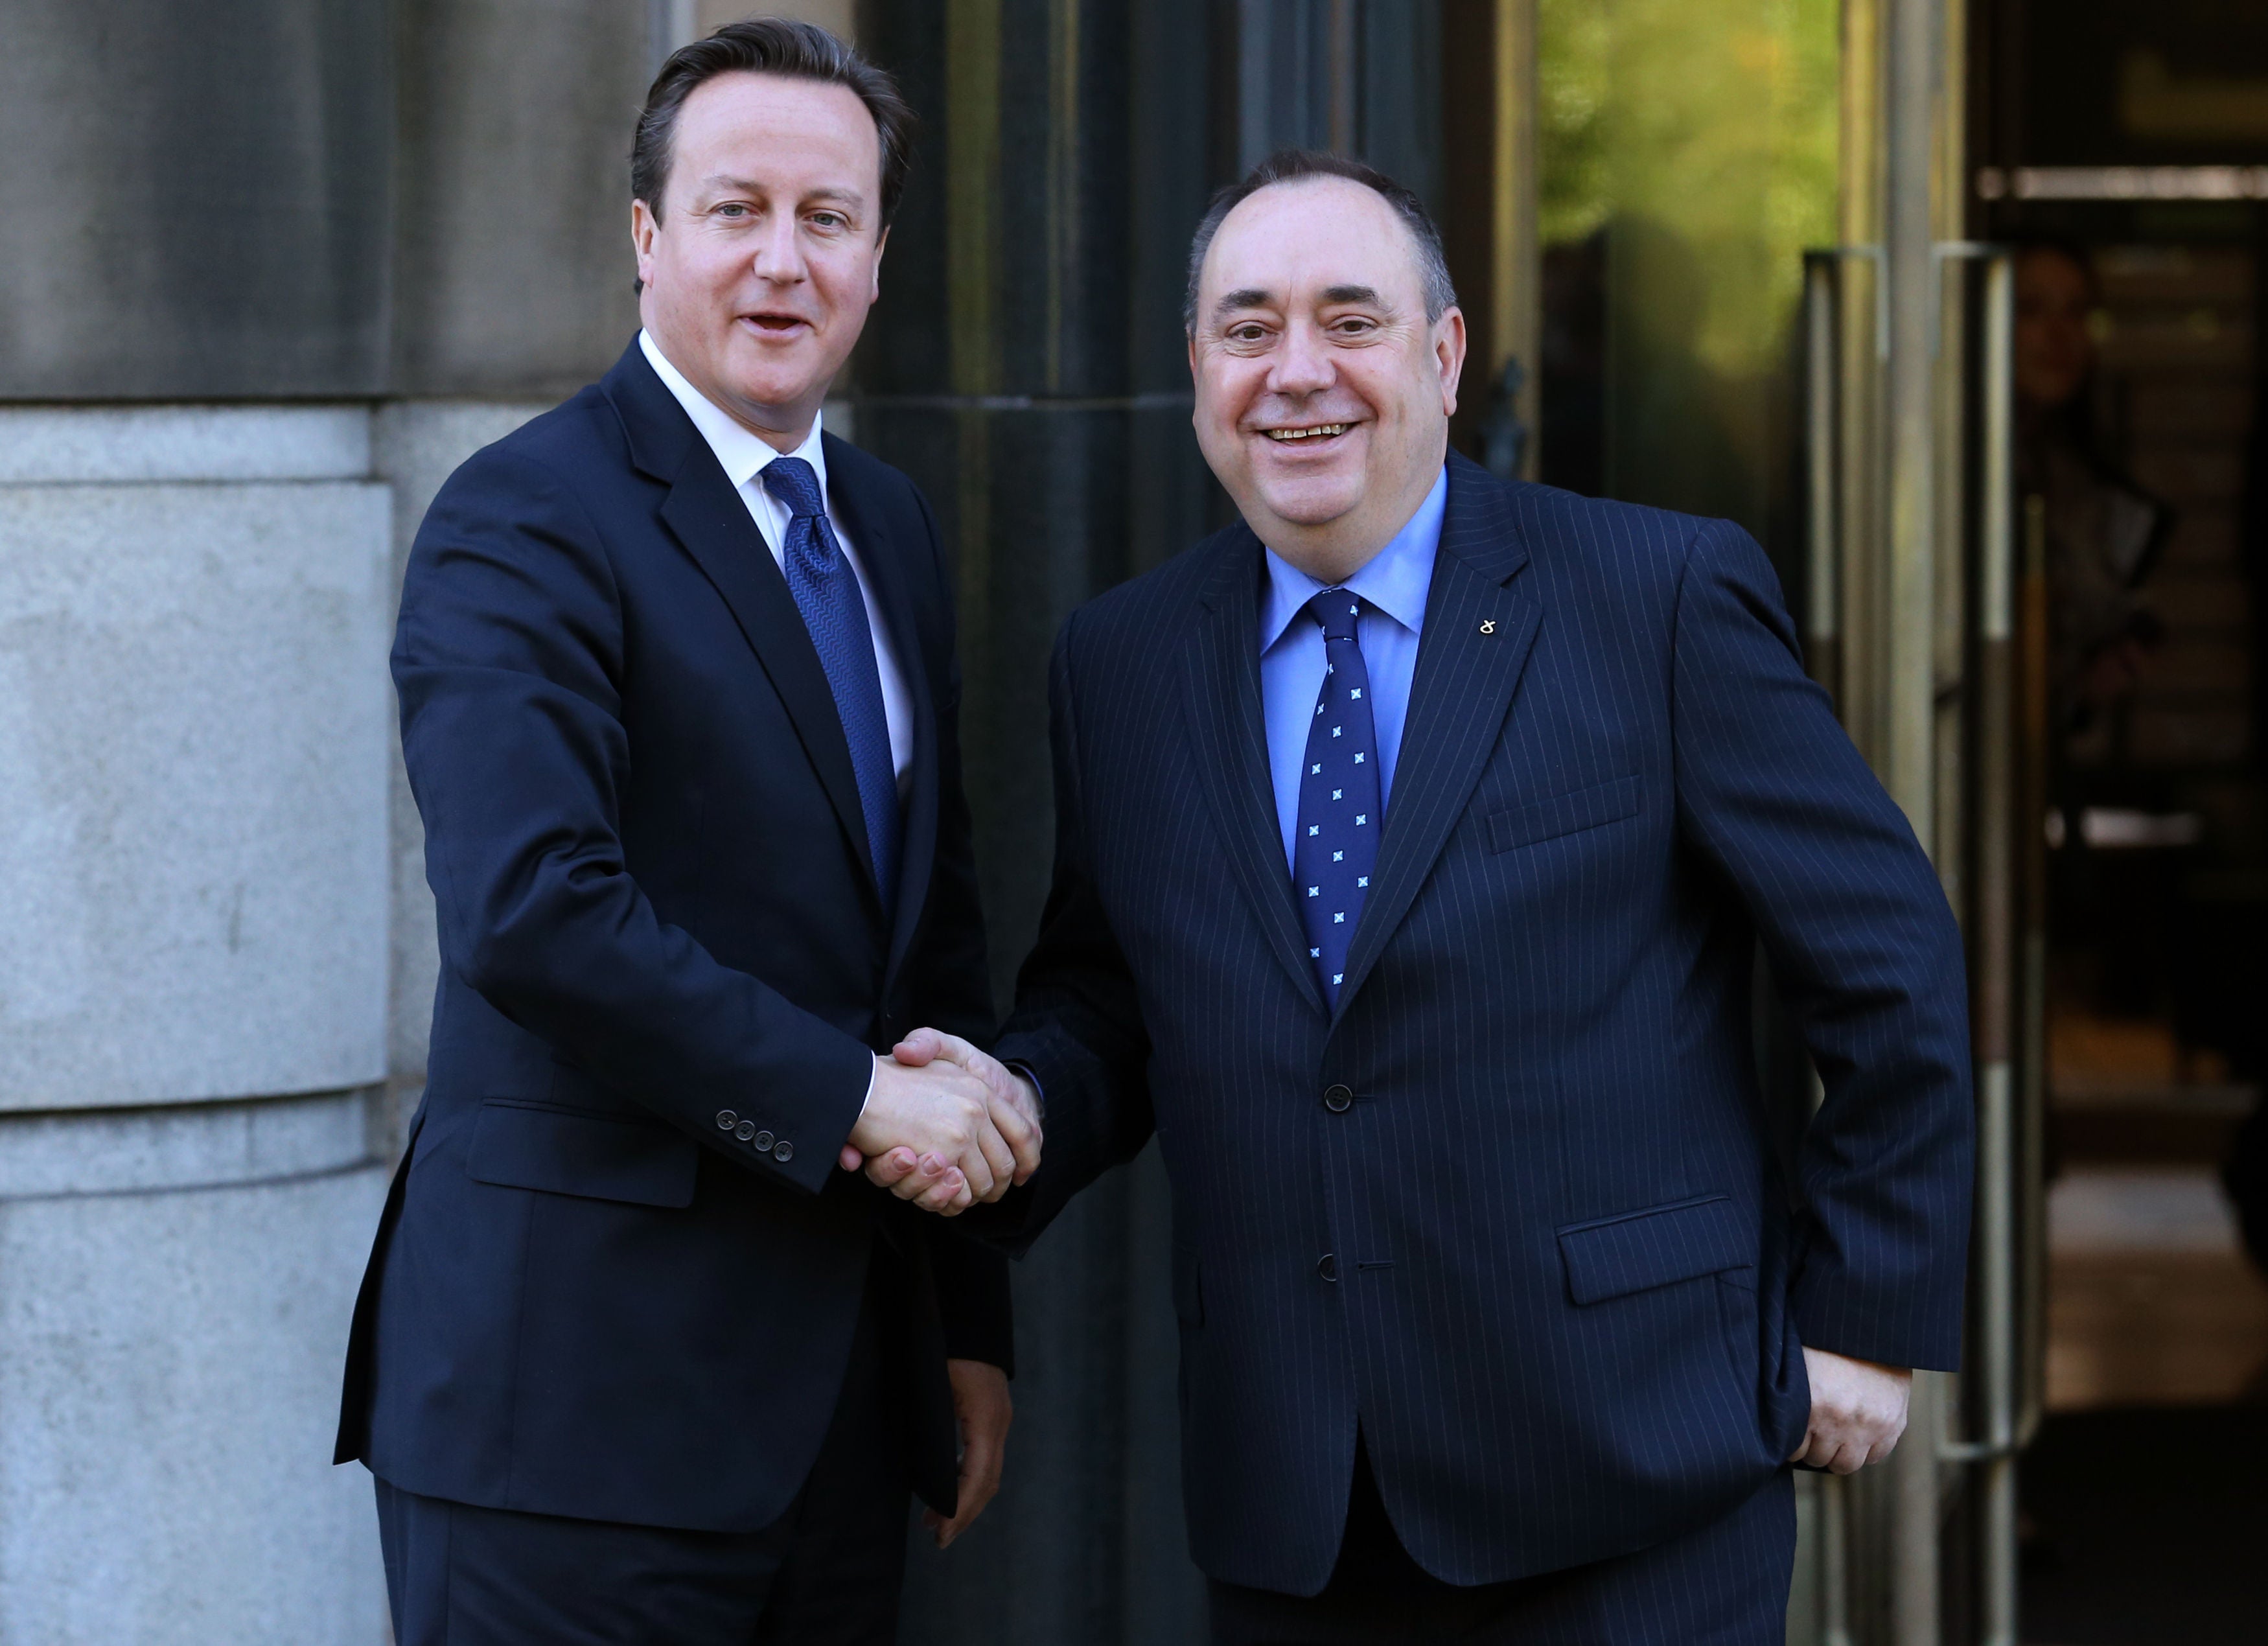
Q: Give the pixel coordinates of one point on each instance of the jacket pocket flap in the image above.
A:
(1611, 1256)
(519, 1145)
(1556, 815)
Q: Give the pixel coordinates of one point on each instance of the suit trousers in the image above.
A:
(1724, 1584)
(826, 1573)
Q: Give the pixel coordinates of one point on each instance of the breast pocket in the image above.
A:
(520, 1145)
(1557, 815)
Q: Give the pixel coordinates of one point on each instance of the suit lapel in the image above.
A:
(882, 556)
(711, 523)
(1479, 629)
(1220, 682)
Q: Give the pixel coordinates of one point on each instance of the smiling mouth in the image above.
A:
(774, 322)
(1319, 432)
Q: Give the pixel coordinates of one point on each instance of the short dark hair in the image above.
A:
(1290, 166)
(769, 45)
(2079, 255)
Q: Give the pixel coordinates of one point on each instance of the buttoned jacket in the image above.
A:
(619, 1271)
(1512, 1206)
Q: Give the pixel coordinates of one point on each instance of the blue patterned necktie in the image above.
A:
(826, 591)
(1334, 843)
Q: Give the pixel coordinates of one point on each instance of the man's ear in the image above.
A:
(881, 245)
(1449, 355)
(643, 229)
(1196, 411)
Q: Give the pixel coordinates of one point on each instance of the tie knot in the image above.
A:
(1336, 610)
(793, 482)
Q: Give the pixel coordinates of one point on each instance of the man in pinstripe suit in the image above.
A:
(1414, 838)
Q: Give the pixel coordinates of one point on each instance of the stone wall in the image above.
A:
(194, 857)
(271, 277)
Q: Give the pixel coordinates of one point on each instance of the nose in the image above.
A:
(1303, 366)
(778, 253)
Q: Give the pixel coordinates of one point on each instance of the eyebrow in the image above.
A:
(1247, 297)
(750, 186)
(1253, 297)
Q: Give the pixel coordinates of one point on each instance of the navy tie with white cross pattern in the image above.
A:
(1334, 843)
(826, 591)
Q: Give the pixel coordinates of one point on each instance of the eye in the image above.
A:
(1248, 331)
(1354, 325)
(733, 208)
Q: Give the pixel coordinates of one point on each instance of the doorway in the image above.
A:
(2116, 153)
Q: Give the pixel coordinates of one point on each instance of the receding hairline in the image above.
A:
(1308, 179)
(1340, 292)
(784, 77)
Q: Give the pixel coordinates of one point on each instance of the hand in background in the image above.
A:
(979, 1401)
(1858, 1411)
(936, 1125)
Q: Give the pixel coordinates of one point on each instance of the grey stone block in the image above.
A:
(511, 249)
(196, 198)
(192, 844)
(195, 1145)
(134, 443)
(169, 1374)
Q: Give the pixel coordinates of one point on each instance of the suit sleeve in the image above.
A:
(1864, 949)
(508, 659)
(952, 987)
(1078, 1023)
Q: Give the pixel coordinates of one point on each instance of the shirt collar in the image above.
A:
(741, 452)
(1396, 580)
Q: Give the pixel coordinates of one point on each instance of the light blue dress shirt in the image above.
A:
(1394, 581)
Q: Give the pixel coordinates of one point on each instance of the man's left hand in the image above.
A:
(1858, 1411)
(979, 1401)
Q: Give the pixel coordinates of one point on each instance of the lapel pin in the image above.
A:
(1488, 625)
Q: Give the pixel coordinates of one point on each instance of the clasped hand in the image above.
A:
(947, 1125)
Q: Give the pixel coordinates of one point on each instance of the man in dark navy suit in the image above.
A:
(1414, 841)
(635, 1362)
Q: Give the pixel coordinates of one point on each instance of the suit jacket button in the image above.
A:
(784, 1152)
(764, 1142)
(1328, 1266)
(726, 1119)
(1339, 1099)
(745, 1130)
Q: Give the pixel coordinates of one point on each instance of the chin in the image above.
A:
(774, 382)
(1310, 499)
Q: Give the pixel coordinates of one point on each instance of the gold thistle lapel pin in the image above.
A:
(1488, 625)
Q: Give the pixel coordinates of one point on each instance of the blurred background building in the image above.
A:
(273, 269)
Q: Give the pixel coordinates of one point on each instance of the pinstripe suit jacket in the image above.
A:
(1564, 1291)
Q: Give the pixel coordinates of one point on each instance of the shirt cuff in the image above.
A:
(1038, 1090)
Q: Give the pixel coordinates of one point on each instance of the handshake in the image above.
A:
(946, 1125)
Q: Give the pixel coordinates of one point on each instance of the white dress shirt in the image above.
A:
(744, 456)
